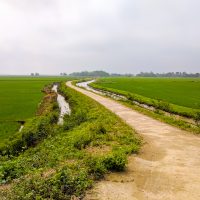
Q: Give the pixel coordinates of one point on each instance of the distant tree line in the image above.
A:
(168, 74)
(94, 74)
(124, 75)
(141, 74)
(87, 74)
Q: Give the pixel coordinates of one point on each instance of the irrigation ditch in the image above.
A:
(63, 105)
(86, 85)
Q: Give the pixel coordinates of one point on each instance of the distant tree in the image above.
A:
(90, 74)
(63, 74)
(197, 74)
(32, 74)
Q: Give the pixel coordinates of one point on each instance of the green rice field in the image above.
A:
(19, 99)
(183, 93)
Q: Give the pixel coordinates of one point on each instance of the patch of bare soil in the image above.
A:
(47, 101)
(98, 150)
(48, 173)
(168, 167)
(5, 187)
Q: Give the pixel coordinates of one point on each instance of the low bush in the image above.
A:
(96, 166)
(98, 128)
(99, 165)
(83, 140)
(61, 186)
(197, 118)
(163, 105)
(116, 161)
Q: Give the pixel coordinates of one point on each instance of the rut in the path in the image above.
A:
(168, 167)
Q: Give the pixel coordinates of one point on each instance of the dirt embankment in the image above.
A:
(47, 101)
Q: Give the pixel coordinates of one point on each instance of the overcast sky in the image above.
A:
(122, 36)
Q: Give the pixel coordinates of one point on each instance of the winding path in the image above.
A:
(168, 167)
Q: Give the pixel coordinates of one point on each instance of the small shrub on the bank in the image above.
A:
(70, 183)
(130, 97)
(7, 172)
(53, 117)
(69, 123)
(62, 186)
(96, 167)
(128, 149)
(80, 116)
(101, 129)
(158, 111)
(163, 105)
(83, 140)
(197, 118)
(99, 165)
(116, 161)
(74, 120)
(98, 128)
(55, 106)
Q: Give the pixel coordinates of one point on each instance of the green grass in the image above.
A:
(183, 94)
(19, 99)
(92, 142)
(8, 129)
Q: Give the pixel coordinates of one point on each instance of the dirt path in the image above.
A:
(168, 167)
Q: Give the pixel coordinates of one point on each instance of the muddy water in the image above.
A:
(87, 87)
(63, 105)
(104, 93)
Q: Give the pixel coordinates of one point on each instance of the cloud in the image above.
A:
(52, 36)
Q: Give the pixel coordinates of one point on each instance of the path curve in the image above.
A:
(168, 167)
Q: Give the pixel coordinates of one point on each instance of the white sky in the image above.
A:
(122, 36)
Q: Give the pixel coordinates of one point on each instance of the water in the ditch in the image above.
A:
(63, 105)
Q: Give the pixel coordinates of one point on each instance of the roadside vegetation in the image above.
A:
(65, 160)
(161, 94)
